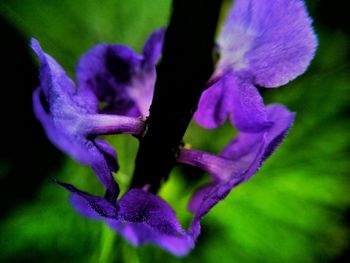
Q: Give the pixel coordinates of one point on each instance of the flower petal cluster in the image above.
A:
(261, 44)
(73, 126)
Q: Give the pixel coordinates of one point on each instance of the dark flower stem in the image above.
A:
(186, 66)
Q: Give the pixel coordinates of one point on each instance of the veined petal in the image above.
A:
(272, 40)
(146, 218)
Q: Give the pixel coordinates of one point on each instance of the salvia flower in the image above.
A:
(142, 217)
(119, 77)
(73, 126)
(261, 44)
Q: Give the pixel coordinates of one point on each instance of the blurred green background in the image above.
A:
(295, 210)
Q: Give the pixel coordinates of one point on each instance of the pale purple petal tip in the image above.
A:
(153, 47)
(54, 81)
(272, 40)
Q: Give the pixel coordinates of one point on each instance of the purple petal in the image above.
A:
(146, 218)
(109, 154)
(139, 216)
(153, 47)
(52, 72)
(73, 127)
(238, 162)
(233, 96)
(213, 108)
(56, 132)
(248, 113)
(198, 196)
(283, 120)
(90, 205)
(101, 167)
(58, 95)
(64, 135)
(273, 41)
(115, 76)
(104, 73)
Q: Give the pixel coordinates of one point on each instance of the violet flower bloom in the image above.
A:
(238, 162)
(120, 78)
(73, 126)
(262, 43)
(142, 217)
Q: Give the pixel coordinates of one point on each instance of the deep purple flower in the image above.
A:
(142, 217)
(73, 126)
(238, 162)
(261, 44)
(120, 78)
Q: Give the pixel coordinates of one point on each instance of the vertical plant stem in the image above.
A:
(185, 68)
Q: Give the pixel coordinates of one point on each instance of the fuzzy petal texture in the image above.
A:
(54, 82)
(238, 162)
(146, 218)
(105, 73)
(120, 79)
(90, 205)
(262, 43)
(234, 97)
(272, 40)
(72, 126)
(139, 216)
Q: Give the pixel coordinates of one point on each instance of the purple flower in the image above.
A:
(238, 162)
(73, 125)
(142, 217)
(261, 44)
(139, 216)
(120, 78)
